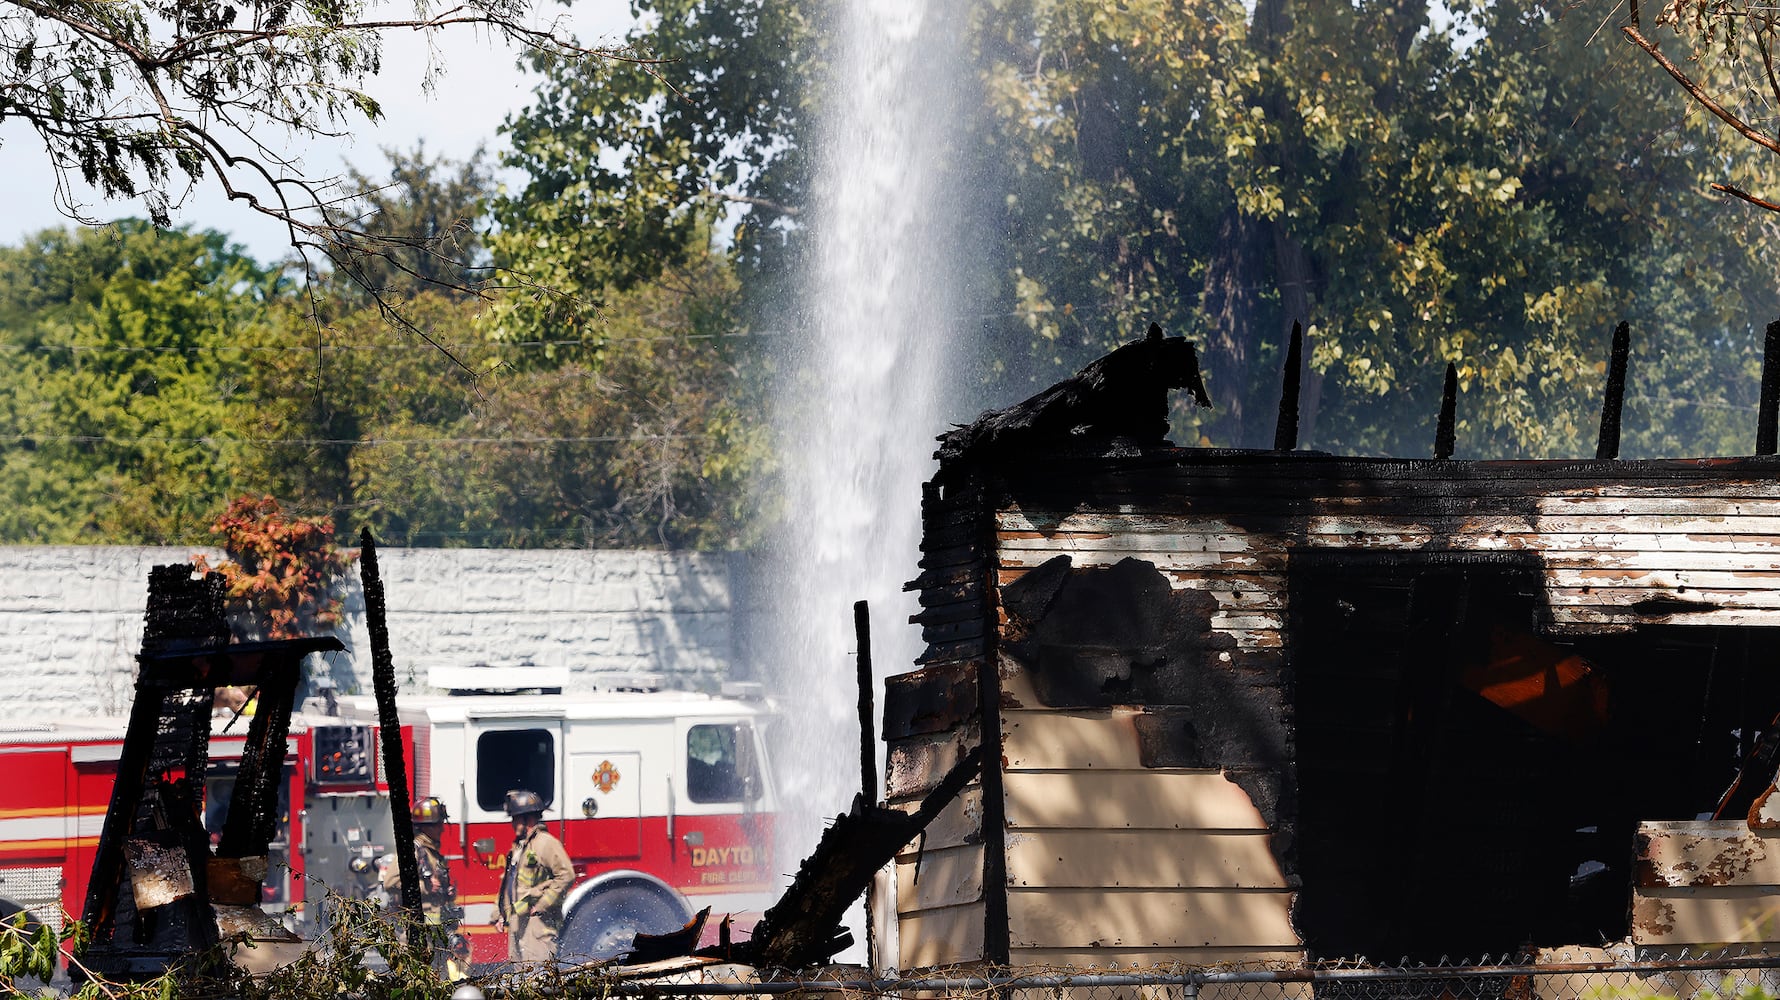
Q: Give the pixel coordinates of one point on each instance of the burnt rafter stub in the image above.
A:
(1120, 399)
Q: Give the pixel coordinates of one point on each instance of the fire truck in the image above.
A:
(662, 799)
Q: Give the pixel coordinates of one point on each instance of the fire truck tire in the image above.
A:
(604, 924)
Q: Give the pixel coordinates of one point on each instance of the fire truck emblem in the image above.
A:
(606, 776)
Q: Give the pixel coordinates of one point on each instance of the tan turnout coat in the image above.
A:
(538, 872)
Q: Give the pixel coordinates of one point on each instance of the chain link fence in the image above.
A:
(1716, 976)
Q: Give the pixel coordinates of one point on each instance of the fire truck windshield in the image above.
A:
(720, 764)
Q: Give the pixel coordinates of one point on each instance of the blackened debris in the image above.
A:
(1120, 398)
(804, 926)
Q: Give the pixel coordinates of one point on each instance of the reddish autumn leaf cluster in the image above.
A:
(281, 571)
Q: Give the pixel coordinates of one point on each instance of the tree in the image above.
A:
(284, 574)
(430, 213)
(125, 356)
(1725, 40)
(646, 441)
(628, 163)
(629, 432)
(1415, 193)
(147, 98)
(1412, 198)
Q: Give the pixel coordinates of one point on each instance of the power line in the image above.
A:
(1704, 404)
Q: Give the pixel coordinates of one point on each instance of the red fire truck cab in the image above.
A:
(662, 799)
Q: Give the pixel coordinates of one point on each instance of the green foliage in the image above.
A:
(1728, 72)
(646, 439)
(1496, 202)
(285, 574)
(363, 951)
(1496, 190)
(628, 163)
(160, 375)
(121, 374)
(144, 98)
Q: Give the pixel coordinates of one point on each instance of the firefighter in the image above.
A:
(438, 893)
(538, 876)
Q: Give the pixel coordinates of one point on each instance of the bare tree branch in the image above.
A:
(1746, 196)
(1698, 93)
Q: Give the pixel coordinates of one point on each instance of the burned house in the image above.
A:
(1243, 706)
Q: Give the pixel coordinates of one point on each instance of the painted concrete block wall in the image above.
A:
(71, 617)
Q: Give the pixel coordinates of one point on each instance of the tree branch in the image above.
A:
(1746, 196)
(1699, 95)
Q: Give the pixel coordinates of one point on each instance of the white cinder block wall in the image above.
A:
(71, 617)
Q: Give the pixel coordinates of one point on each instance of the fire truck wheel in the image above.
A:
(604, 925)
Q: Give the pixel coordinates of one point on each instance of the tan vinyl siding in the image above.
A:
(933, 879)
(1142, 859)
(949, 936)
(1104, 855)
(1123, 800)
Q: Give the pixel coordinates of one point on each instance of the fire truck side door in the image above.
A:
(604, 805)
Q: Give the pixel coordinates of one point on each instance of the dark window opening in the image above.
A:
(720, 764)
(513, 759)
(1469, 781)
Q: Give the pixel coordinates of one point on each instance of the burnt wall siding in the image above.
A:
(932, 719)
(1138, 617)
(1621, 543)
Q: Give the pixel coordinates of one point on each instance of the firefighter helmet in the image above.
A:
(524, 803)
(430, 810)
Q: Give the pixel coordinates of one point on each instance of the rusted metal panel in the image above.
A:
(1144, 859)
(1146, 800)
(1743, 914)
(915, 766)
(931, 700)
(1705, 853)
(939, 877)
(1143, 918)
(951, 936)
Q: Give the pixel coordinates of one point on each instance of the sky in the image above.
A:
(480, 87)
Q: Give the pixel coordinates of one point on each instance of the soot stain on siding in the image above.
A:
(1095, 637)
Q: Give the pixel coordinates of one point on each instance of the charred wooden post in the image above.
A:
(383, 681)
(1766, 422)
(1614, 399)
(1449, 405)
(868, 757)
(157, 891)
(1285, 436)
